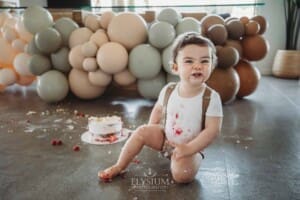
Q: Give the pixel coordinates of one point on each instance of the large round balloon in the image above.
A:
(65, 26)
(124, 78)
(150, 88)
(210, 20)
(161, 34)
(76, 58)
(188, 24)
(235, 29)
(128, 29)
(59, 60)
(79, 36)
(249, 78)
(48, 40)
(217, 33)
(21, 63)
(227, 57)
(7, 76)
(167, 59)
(99, 78)
(36, 19)
(39, 64)
(169, 15)
(226, 82)
(52, 86)
(99, 37)
(255, 47)
(112, 57)
(144, 61)
(82, 87)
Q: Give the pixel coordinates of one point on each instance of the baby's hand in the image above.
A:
(181, 150)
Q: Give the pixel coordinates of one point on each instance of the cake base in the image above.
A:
(88, 137)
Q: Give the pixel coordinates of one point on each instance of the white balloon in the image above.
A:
(21, 63)
(7, 77)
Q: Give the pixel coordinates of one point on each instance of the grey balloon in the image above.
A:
(169, 15)
(161, 34)
(48, 40)
(167, 58)
(52, 86)
(150, 88)
(36, 19)
(32, 49)
(60, 60)
(144, 61)
(65, 26)
(39, 64)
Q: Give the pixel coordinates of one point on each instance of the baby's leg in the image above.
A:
(149, 135)
(185, 169)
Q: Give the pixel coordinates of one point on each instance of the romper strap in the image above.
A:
(168, 92)
(205, 103)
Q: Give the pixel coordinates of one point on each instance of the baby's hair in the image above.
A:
(192, 38)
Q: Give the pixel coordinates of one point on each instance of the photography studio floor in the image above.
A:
(257, 155)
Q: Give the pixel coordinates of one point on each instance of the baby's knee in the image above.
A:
(139, 132)
(183, 176)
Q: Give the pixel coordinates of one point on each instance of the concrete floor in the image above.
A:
(257, 156)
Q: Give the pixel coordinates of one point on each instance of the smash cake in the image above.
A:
(105, 130)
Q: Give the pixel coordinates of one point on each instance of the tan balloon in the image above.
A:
(124, 78)
(89, 49)
(128, 29)
(99, 78)
(112, 57)
(99, 37)
(90, 64)
(75, 57)
(105, 18)
(79, 36)
(82, 87)
(92, 22)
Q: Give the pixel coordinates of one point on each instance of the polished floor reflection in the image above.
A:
(257, 156)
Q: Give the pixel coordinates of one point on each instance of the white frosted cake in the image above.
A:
(100, 126)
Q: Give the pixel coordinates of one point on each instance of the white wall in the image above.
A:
(273, 11)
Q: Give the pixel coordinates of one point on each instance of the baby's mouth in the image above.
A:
(197, 74)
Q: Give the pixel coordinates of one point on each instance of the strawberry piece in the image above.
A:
(76, 148)
(53, 142)
(112, 138)
(59, 142)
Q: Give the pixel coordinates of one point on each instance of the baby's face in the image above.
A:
(194, 64)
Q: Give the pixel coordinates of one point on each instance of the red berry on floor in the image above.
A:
(76, 148)
(59, 142)
(54, 142)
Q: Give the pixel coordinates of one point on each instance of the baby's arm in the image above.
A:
(205, 138)
(155, 114)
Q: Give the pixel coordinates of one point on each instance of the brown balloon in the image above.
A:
(262, 23)
(255, 47)
(227, 57)
(249, 78)
(226, 82)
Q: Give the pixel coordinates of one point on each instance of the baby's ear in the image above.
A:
(174, 68)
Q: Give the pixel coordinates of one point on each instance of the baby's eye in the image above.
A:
(188, 61)
(205, 61)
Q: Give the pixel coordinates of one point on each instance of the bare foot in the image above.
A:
(109, 173)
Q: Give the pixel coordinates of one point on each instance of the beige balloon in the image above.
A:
(99, 37)
(90, 64)
(128, 29)
(7, 76)
(105, 18)
(75, 57)
(82, 87)
(21, 64)
(124, 78)
(92, 22)
(100, 78)
(89, 49)
(112, 57)
(79, 36)
(18, 44)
